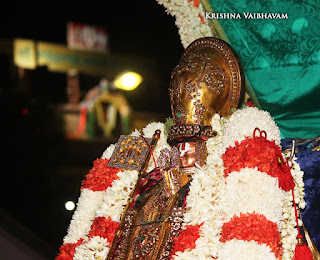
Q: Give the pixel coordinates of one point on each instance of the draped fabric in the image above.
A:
(308, 154)
(281, 60)
(281, 57)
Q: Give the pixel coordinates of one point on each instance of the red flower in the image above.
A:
(67, 250)
(186, 239)
(196, 3)
(250, 103)
(105, 228)
(255, 227)
(100, 176)
(261, 153)
(202, 19)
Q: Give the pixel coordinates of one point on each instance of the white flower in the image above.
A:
(249, 250)
(302, 204)
(288, 229)
(207, 197)
(108, 152)
(288, 222)
(243, 122)
(116, 197)
(135, 133)
(250, 190)
(89, 202)
(94, 248)
(188, 21)
(202, 194)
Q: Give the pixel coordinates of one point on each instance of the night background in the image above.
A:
(41, 168)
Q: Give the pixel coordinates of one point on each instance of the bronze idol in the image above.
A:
(199, 186)
(208, 80)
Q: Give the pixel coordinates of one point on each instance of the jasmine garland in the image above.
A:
(210, 201)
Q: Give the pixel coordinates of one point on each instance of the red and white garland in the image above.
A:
(107, 218)
(243, 211)
(190, 19)
(258, 157)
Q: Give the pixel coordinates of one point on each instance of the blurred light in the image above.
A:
(69, 205)
(25, 111)
(128, 80)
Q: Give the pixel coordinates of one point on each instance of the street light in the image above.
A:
(69, 205)
(127, 80)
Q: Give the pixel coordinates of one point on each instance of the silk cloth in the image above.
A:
(281, 58)
(309, 160)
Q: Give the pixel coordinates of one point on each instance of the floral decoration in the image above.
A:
(116, 197)
(189, 19)
(100, 176)
(106, 221)
(108, 152)
(186, 239)
(103, 227)
(243, 122)
(253, 227)
(261, 153)
(205, 222)
(235, 139)
(95, 248)
(289, 231)
(249, 250)
(88, 203)
(68, 250)
(250, 190)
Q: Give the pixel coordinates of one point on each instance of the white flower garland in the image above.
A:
(108, 152)
(188, 21)
(205, 201)
(117, 196)
(88, 203)
(108, 203)
(250, 190)
(203, 207)
(289, 231)
(113, 204)
(93, 248)
(248, 119)
(249, 250)
(208, 245)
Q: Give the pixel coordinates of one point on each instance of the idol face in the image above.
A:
(187, 154)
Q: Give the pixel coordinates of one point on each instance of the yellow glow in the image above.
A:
(128, 80)
(69, 205)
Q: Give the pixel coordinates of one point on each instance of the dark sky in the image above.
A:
(43, 170)
(140, 27)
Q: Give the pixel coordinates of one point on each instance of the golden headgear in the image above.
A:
(208, 80)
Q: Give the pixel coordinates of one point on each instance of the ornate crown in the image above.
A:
(208, 80)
